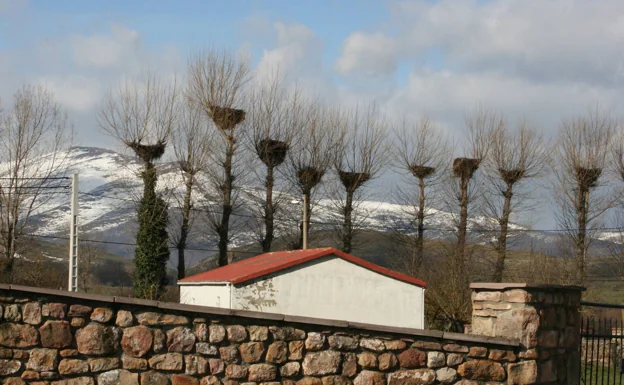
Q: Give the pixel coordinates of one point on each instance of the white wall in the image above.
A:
(213, 294)
(332, 288)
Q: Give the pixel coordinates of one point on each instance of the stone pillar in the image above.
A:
(545, 319)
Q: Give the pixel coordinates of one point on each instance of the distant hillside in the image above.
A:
(107, 213)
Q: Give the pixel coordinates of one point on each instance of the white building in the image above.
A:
(320, 283)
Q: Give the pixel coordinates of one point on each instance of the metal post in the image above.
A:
(305, 221)
(73, 237)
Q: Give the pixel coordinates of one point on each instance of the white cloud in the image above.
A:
(368, 53)
(78, 93)
(296, 52)
(541, 40)
(106, 51)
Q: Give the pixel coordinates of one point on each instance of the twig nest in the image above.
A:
(465, 167)
(226, 118)
(272, 152)
(148, 152)
(309, 177)
(588, 177)
(353, 180)
(420, 171)
(511, 176)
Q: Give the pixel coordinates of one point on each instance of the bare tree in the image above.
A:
(313, 155)
(274, 120)
(216, 81)
(480, 125)
(35, 137)
(421, 150)
(582, 152)
(141, 114)
(90, 259)
(360, 157)
(192, 147)
(515, 157)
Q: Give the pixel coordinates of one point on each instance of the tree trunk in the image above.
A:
(184, 229)
(269, 211)
(306, 210)
(463, 223)
(420, 216)
(224, 226)
(347, 224)
(501, 244)
(581, 236)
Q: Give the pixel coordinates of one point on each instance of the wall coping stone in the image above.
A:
(503, 286)
(265, 316)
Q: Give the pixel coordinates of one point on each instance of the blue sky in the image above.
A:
(544, 60)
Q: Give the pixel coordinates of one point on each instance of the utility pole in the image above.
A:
(73, 237)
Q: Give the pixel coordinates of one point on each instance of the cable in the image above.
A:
(125, 243)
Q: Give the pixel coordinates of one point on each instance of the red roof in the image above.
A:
(268, 263)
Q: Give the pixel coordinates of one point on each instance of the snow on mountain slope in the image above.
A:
(108, 185)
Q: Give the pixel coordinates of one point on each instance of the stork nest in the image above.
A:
(512, 176)
(309, 177)
(226, 118)
(421, 172)
(353, 180)
(588, 177)
(465, 167)
(272, 152)
(148, 152)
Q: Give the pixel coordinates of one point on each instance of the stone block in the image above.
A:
(492, 296)
(42, 360)
(56, 334)
(180, 339)
(482, 370)
(412, 359)
(102, 315)
(436, 360)
(321, 363)
(258, 333)
(31, 313)
(522, 373)
(412, 377)
(97, 339)
(168, 362)
(262, 372)
(17, 335)
(252, 352)
(137, 341)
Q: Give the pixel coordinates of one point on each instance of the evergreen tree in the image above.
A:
(152, 252)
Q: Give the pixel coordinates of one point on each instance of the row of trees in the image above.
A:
(228, 129)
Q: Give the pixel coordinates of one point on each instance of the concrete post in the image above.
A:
(545, 319)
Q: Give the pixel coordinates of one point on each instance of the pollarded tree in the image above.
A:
(515, 157)
(141, 114)
(216, 81)
(360, 157)
(421, 150)
(35, 138)
(480, 125)
(273, 120)
(313, 155)
(583, 148)
(192, 147)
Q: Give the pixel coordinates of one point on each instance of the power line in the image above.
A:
(33, 178)
(126, 243)
(478, 230)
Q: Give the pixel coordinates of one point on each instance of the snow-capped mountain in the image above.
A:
(108, 187)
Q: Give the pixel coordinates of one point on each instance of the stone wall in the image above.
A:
(544, 319)
(61, 338)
